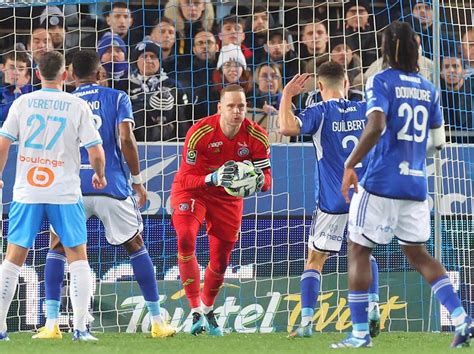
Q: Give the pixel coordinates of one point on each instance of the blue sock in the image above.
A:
(358, 304)
(444, 291)
(310, 284)
(145, 276)
(53, 280)
(374, 286)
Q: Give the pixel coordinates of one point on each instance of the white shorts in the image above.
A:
(121, 218)
(327, 231)
(376, 220)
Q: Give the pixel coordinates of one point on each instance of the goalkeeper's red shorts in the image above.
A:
(223, 215)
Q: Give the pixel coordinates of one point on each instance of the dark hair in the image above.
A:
(399, 47)
(118, 5)
(332, 72)
(85, 63)
(258, 9)
(232, 88)
(232, 19)
(165, 20)
(17, 56)
(278, 32)
(50, 65)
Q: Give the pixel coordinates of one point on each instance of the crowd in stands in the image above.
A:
(174, 68)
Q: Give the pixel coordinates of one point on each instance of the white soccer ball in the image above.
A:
(245, 181)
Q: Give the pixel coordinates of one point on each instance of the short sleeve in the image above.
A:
(124, 109)
(88, 133)
(310, 118)
(10, 128)
(436, 116)
(377, 95)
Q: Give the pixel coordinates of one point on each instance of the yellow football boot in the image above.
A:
(44, 333)
(162, 330)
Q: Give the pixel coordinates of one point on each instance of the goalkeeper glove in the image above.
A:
(223, 176)
(260, 180)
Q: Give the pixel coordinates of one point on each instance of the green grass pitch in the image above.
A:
(394, 342)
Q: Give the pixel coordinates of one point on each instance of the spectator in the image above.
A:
(164, 34)
(278, 51)
(197, 77)
(314, 41)
(112, 54)
(342, 53)
(40, 43)
(425, 64)
(267, 98)
(189, 16)
(421, 19)
(231, 69)
(232, 32)
(52, 18)
(456, 94)
(268, 88)
(17, 78)
(119, 20)
(358, 31)
(468, 51)
(158, 103)
(257, 28)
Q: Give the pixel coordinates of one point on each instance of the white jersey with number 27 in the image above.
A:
(49, 126)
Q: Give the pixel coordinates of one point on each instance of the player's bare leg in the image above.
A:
(144, 274)
(310, 286)
(435, 274)
(9, 274)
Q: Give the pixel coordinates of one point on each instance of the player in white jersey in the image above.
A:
(403, 110)
(114, 205)
(49, 126)
(336, 125)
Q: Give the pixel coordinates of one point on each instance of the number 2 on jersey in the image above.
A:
(41, 127)
(345, 145)
(413, 113)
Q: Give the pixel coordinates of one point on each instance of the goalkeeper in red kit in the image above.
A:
(211, 150)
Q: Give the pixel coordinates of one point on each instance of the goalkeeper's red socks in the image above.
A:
(212, 284)
(190, 278)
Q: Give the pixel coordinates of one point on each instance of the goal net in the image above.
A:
(277, 39)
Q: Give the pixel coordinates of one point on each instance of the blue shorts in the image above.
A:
(69, 220)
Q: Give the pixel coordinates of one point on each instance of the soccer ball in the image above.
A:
(245, 181)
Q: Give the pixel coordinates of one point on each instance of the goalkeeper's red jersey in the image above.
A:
(206, 148)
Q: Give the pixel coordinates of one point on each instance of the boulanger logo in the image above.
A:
(40, 177)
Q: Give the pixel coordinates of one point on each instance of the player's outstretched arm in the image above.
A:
(130, 153)
(288, 124)
(97, 161)
(4, 148)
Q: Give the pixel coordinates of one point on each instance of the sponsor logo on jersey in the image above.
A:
(405, 170)
(40, 177)
(215, 144)
(184, 206)
(191, 157)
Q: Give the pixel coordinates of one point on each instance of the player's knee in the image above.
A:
(218, 267)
